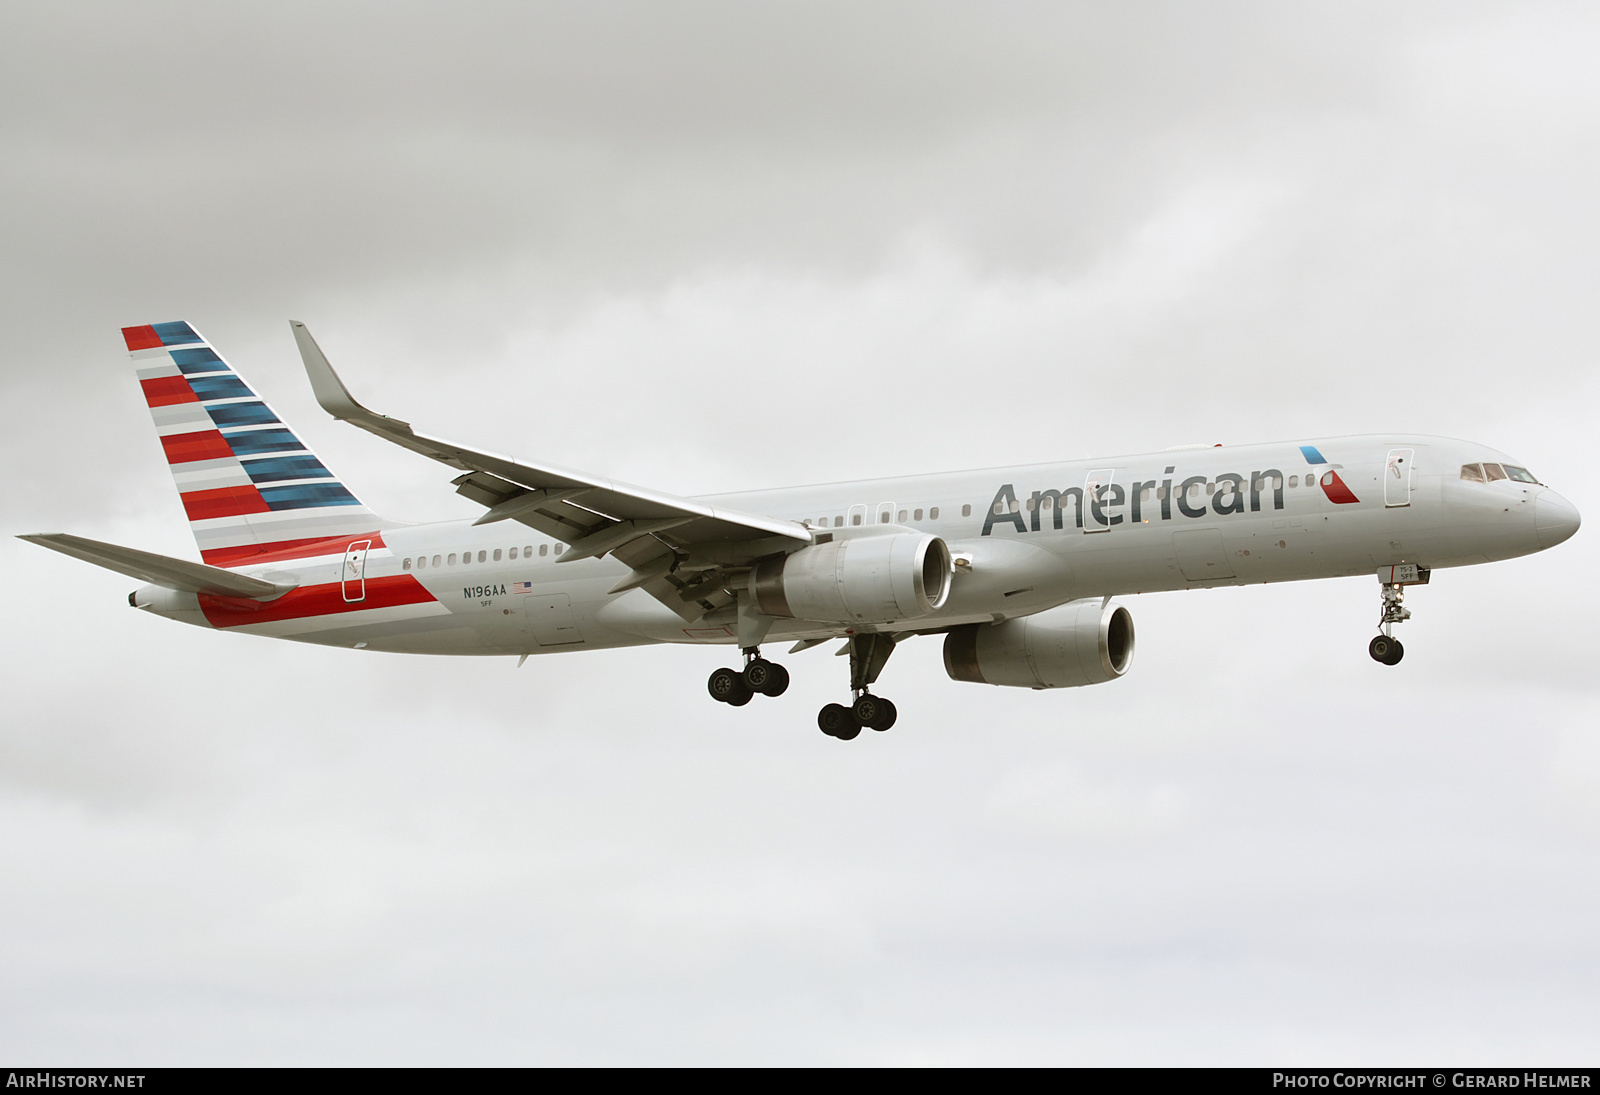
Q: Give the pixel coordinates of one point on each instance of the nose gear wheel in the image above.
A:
(1386, 650)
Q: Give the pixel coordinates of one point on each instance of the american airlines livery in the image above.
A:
(1015, 567)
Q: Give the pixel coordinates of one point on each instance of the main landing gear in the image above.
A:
(1386, 648)
(868, 653)
(737, 688)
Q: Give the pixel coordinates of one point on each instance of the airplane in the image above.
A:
(1015, 567)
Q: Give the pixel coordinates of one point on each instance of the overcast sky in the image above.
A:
(717, 246)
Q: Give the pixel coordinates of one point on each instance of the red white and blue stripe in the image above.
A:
(250, 487)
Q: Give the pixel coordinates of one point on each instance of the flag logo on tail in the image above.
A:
(249, 485)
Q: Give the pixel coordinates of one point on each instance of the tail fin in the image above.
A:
(249, 485)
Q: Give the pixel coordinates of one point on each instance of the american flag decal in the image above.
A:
(521, 587)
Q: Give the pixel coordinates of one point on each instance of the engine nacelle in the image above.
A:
(860, 580)
(1074, 644)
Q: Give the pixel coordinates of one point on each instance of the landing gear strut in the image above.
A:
(736, 687)
(1386, 648)
(868, 653)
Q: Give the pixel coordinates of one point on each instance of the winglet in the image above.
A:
(325, 383)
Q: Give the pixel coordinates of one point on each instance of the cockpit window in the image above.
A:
(1494, 471)
(1519, 475)
(1472, 473)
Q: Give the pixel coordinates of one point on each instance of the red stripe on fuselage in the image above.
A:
(251, 554)
(141, 338)
(309, 601)
(223, 502)
(164, 391)
(1337, 492)
(181, 448)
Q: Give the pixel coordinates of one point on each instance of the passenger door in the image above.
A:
(353, 578)
(1397, 478)
(1097, 485)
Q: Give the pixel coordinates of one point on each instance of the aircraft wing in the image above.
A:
(161, 570)
(683, 552)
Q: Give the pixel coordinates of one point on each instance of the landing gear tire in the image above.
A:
(1386, 649)
(768, 678)
(727, 686)
(874, 711)
(837, 721)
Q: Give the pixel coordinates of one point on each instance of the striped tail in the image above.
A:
(250, 487)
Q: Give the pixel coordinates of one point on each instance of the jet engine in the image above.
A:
(1081, 642)
(860, 580)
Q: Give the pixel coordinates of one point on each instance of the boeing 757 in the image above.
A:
(1015, 567)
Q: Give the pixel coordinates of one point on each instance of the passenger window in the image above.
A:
(1472, 473)
(452, 558)
(902, 517)
(999, 508)
(1327, 479)
(1047, 502)
(933, 514)
(916, 515)
(1520, 475)
(544, 549)
(1029, 505)
(855, 518)
(883, 518)
(497, 554)
(1211, 488)
(406, 565)
(1494, 472)
(1144, 495)
(837, 521)
(483, 556)
(527, 551)
(966, 510)
(512, 554)
(466, 557)
(435, 560)
(1294, 480)
(560, 548)
(1161, 493)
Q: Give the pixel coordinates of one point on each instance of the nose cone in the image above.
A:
(1555, 518)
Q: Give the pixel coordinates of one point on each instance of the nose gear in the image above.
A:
(1392, 582)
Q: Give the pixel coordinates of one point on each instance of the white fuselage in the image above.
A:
(1024, 538)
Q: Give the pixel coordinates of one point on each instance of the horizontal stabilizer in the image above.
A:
(162, 570)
